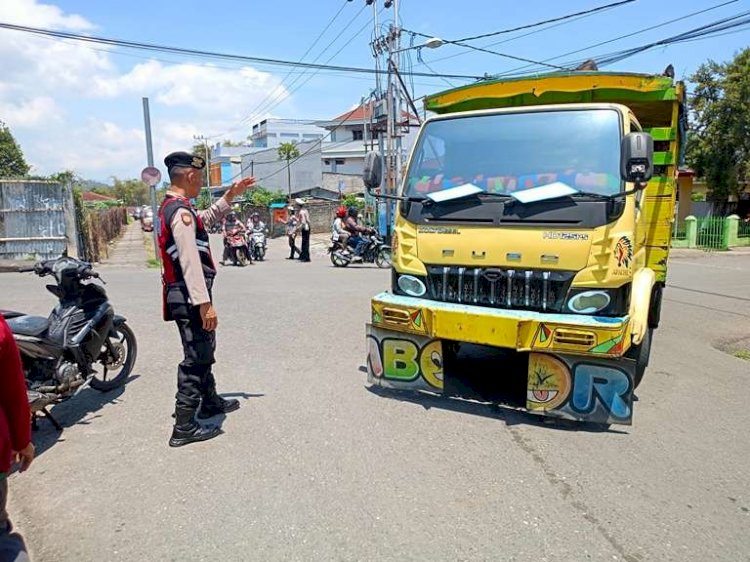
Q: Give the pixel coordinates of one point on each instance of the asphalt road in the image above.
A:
(316, 467)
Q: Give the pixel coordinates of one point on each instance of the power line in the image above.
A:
(627, 35)
(536, 24)
(274, 94)
(703, 31)
(212, 54)
(516, 38)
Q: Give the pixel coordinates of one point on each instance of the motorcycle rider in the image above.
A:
(356, 241)
(230, 223)
(338, 231)
(256, 228)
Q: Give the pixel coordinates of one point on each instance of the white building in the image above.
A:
(271, 132)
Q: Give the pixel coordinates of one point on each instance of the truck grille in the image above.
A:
(524, 289)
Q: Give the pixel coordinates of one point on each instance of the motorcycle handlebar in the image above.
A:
(26, 269)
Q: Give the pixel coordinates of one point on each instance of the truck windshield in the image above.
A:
(508, 152)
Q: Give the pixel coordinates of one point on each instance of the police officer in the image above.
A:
(188, 275)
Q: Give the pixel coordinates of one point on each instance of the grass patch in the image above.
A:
(742, 354)
(148, 243)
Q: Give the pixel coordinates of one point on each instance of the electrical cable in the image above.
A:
(274, 95)
(211, 54)
(536, 24)
(515, 71)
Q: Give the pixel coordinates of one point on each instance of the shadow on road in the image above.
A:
(74, 411)
(507, 414)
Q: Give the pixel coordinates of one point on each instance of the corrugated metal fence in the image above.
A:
(36, 220)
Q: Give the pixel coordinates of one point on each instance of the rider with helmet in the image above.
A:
(256, 229)
(231, 222)
(338, 230)
(358, 242)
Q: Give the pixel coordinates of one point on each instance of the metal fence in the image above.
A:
(710, 233)
(743, 230)
(679, 231)
(34, 219)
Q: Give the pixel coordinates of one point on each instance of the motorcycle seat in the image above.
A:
(28, 325)
(9, 313)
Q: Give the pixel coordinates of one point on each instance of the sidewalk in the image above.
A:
(129, 250)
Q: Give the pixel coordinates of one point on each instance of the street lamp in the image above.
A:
(431, 43)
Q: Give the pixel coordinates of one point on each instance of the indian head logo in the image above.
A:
(624, 252)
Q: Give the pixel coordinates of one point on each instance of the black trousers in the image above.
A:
(12, 547)
(292, 247)
(304, 255)
(195, 380)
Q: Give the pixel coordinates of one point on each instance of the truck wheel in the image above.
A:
(641, 353)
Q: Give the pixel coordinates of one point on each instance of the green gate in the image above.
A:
(710, 233)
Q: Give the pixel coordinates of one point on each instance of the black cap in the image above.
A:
(184, 160)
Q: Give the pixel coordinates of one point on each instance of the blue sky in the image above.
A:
(74, 107)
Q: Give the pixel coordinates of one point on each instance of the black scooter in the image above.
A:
(82, 340)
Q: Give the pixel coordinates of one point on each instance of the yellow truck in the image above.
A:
(534, 219)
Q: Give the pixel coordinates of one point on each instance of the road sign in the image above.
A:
(151, 176)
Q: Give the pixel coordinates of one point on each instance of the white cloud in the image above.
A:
(34, 112)
(71, 107)
(32, 13)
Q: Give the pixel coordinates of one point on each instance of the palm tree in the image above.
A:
(288, 151)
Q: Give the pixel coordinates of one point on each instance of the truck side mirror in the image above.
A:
(373, 172)
(637, 158)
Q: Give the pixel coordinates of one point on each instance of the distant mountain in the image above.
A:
(89, 185)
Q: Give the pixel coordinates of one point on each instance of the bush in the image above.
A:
(698, 197)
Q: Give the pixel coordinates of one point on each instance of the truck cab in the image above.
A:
(534, 217)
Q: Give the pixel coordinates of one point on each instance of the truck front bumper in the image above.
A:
(576, 368)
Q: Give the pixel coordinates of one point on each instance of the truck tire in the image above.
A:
(641, 353)
(654, 312)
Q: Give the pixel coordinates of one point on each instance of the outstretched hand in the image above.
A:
(240, 187)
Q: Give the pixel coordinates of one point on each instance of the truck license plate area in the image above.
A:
(578, 388)
(404, 361)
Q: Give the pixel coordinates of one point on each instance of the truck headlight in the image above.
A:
(589, 302)
(411, 285)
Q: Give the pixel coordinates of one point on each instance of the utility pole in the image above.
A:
(208, 158)
(150, 159)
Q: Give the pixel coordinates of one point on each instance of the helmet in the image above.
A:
(352, 212)
(231, 215)
(341, 212)
(255, 216)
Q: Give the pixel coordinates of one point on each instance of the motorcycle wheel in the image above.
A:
(116, 359)
(241, 258)
(383, 258)
(338, 260)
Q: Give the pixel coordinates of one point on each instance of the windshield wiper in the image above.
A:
(594, 195)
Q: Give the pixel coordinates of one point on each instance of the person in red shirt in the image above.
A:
(15, 437)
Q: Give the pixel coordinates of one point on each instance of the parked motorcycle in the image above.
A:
(376, 252)
(236, 242)
(257, 245)
(82, 340)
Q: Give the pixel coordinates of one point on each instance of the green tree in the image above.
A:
(230, 143)
(718, 147)
(204, 199)
(66, 177)
(262, 197)
(12, 163)
(352, 200)
(202, 150)
(288, 151)
(132, 193)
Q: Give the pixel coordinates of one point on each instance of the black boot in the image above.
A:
(187, 431)
(214, 405)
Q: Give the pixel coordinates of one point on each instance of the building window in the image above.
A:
(358, 134)
(327, 162)
(290, 135)
(339, 162)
